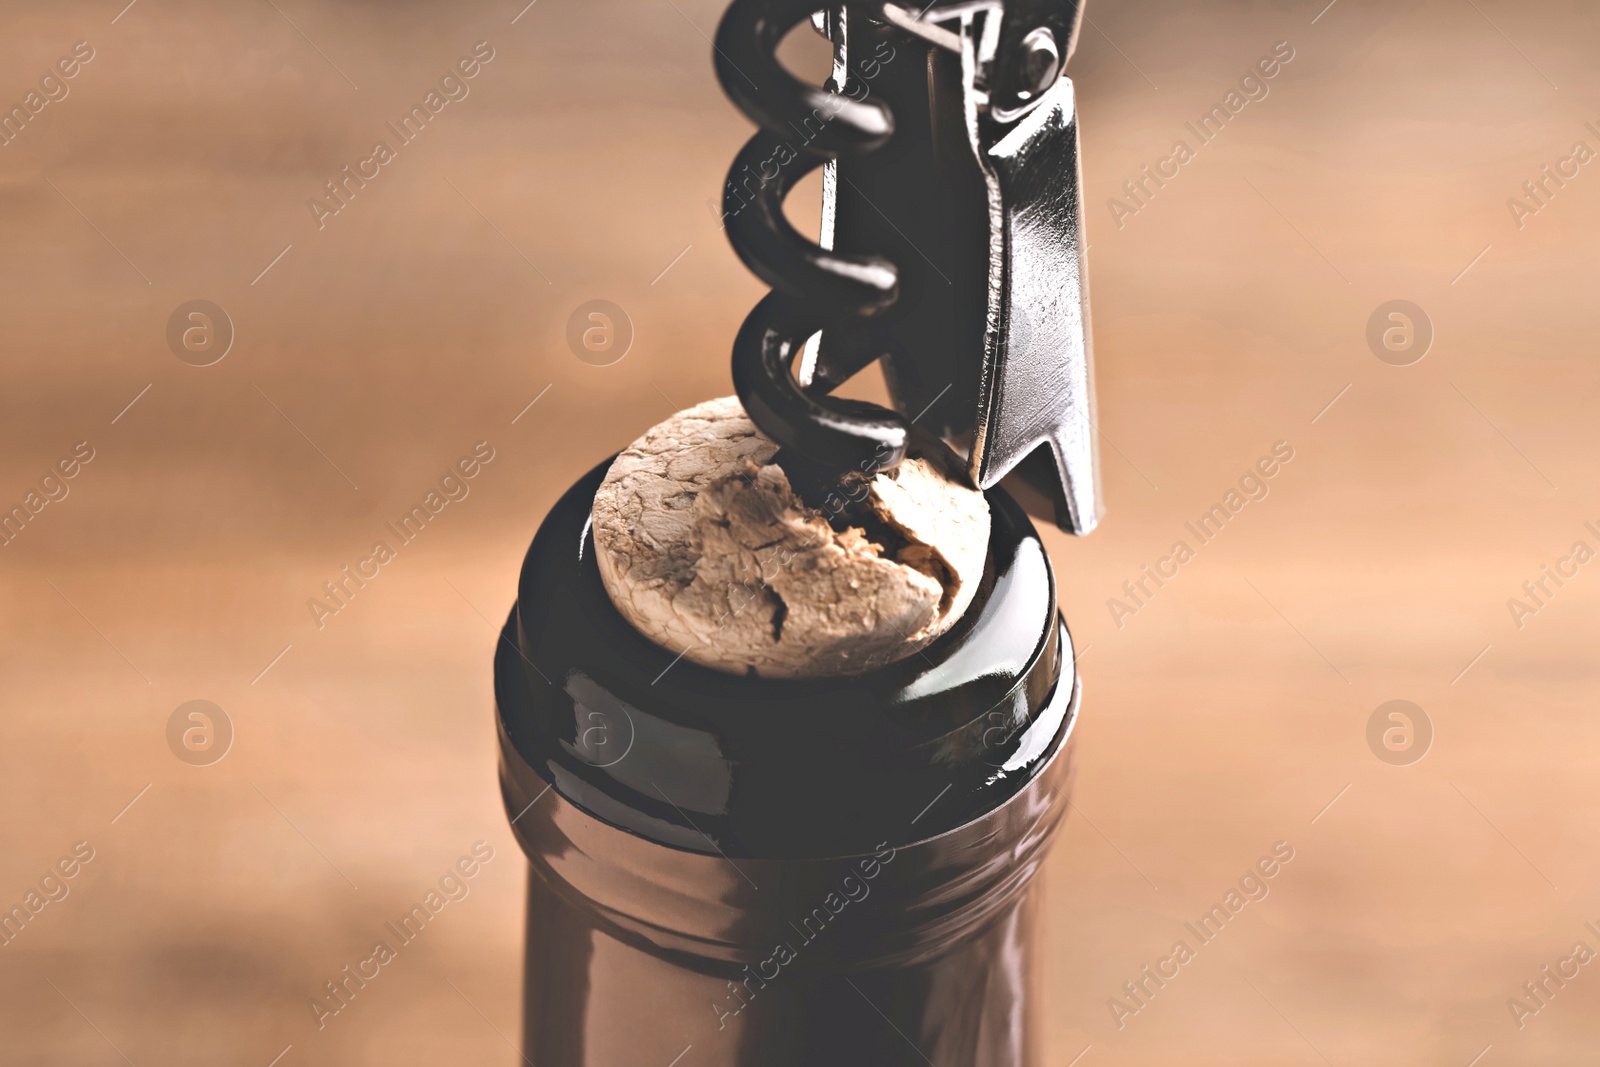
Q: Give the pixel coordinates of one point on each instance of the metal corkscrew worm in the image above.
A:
(813, 287)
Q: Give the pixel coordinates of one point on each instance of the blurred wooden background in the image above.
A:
(1230, 712)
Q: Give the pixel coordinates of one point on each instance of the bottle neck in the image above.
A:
(709, 762)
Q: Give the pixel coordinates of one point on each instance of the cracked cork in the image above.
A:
(705, 548)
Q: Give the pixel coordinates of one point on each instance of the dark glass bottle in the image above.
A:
(781, 872)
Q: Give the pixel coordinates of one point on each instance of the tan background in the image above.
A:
(1222, 718)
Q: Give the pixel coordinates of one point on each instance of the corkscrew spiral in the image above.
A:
(813, 288)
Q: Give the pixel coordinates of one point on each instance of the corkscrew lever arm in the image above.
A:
(1037, 400)
(1000, 320)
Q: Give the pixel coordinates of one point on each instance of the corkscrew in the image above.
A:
(951, 246)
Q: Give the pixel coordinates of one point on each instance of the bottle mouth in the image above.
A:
(643, 738)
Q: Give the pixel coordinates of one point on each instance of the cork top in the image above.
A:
(704, 546)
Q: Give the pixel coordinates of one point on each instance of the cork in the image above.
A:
(705, 547)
